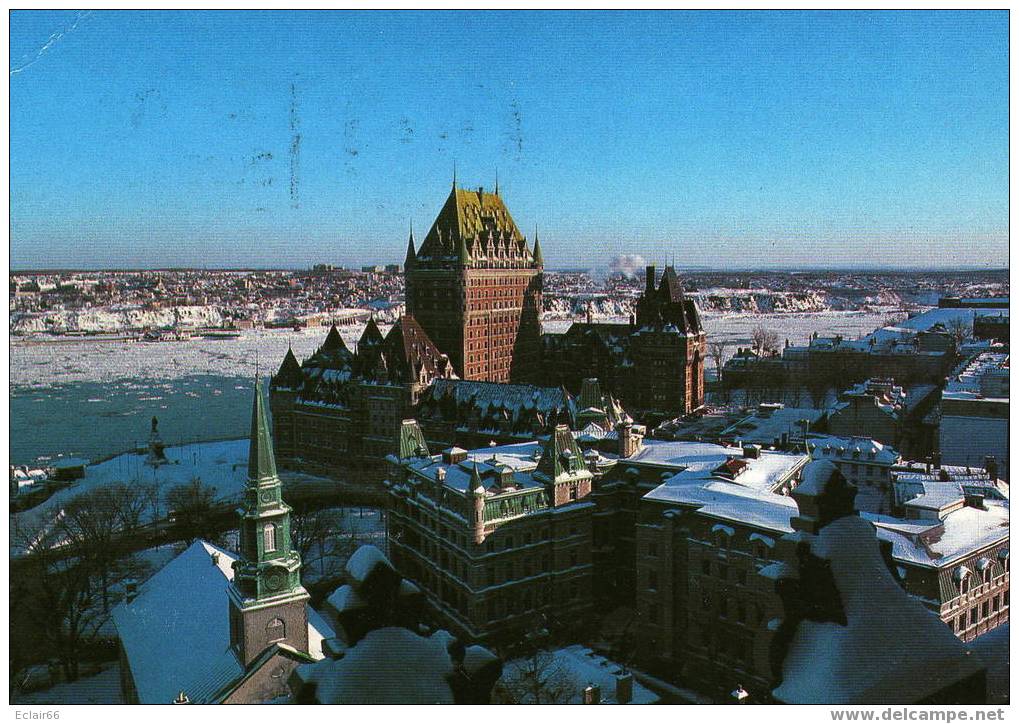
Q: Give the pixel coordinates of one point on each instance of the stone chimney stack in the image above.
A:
(631, 438)
(624, 688)
(592, 694)
(991, 466)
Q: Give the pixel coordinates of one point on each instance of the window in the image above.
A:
(275, 630)
(652, 549)
(269, 537)
(706, 567)
(973, 616)
(652, 580)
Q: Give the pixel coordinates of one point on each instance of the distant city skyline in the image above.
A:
(716, 139)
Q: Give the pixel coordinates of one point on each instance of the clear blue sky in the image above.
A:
(719, 139)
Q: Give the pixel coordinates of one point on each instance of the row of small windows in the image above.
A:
(979, 613)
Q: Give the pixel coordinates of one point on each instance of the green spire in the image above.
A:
(261, 460)
(476, 486)
(538, 260)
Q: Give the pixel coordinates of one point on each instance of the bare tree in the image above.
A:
(152, 493)
(311, 531)
(89, 524)
(131, 502)
(191, 505)
(764, 341)
(536, 679)
(716, 350)
(960, 330)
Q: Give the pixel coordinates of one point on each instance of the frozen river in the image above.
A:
(94, 398)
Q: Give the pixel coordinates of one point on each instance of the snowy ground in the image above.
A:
(102, 688)
(222, 465)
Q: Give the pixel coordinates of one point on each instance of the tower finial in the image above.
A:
(496, 181)
(454, 174)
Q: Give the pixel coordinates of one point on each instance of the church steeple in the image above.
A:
(267, 600)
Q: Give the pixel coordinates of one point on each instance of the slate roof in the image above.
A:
(176, 632)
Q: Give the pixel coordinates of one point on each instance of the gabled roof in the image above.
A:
(176, 632)
(408, 350)
(175, 642)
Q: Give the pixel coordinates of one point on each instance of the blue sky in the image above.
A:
(721, 139)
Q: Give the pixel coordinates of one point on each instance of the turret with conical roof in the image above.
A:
(476, 509)
(539, 260)
(334, 342)
(289, 376)
(266, 596)
(408, 262)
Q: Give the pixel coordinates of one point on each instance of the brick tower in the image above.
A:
(475, 287)
(667, 350)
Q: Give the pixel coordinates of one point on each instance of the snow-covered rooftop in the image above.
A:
(584, 667)
(176, 632)
(388, 666)
(863, 662)
(770, 422)
(856, 449)
(967, 381)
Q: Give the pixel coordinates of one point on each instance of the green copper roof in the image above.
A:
(561, 456)
(261, 460)
(412, 440)
(538, 259)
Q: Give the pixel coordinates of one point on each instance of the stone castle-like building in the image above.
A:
(474, 286)
(468, 358)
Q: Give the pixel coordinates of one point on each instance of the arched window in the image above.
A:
(269, 537)
(275, 630)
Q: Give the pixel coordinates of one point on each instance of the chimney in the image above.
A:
(592, 694)
(215, 558)
(649, 278)
(440, 475)
(630, 438)
(131, 589)
(624, 687)
(991, 466)
(975, 501)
